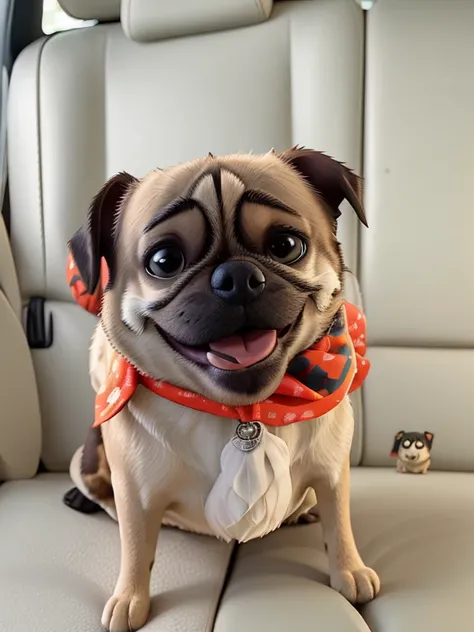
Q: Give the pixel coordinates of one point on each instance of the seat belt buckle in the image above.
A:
(39, 328)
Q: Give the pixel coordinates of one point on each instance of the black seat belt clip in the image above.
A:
(39, 329)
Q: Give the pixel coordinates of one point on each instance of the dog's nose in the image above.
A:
(237, 282)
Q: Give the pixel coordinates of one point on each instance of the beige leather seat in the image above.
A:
(174, 80)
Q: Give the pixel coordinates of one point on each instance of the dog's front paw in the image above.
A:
(126, 612)
(357, 586)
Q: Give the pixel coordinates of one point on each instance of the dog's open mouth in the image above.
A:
(239, 351)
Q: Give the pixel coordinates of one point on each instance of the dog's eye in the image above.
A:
(165, 261)
(419, 445)
(286, 248)
(406, 443)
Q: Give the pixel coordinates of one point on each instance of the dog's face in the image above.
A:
(222, 269)
(413, 447)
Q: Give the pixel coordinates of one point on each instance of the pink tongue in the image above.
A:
(245, 349)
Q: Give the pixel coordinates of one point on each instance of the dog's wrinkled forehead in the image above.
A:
(216, 188)
(206, 195)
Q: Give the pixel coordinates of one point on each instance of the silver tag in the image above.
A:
(248, 436)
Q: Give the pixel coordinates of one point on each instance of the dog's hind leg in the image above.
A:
(307, 512)
(90, 473)
(310, 517)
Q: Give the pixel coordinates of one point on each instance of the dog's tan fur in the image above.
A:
(163, 459)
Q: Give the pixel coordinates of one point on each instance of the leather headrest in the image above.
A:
(152, 20)
(105, 10)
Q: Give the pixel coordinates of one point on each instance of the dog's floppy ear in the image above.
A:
(396, 443)
(429, 436)
(331, 179)
(96, 237)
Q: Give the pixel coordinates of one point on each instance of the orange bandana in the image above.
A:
(316, 380)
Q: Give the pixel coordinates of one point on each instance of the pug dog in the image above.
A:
(220, 272)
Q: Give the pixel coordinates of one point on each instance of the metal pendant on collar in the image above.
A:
(248, 436)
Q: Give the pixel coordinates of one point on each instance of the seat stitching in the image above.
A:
(220, 586)
(39, 162)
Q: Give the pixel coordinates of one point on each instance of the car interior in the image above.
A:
(94, 87)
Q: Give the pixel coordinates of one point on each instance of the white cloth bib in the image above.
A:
(251, 496)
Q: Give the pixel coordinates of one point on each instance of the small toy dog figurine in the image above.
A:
(413, 451)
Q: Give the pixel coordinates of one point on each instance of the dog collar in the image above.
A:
(316, 381)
